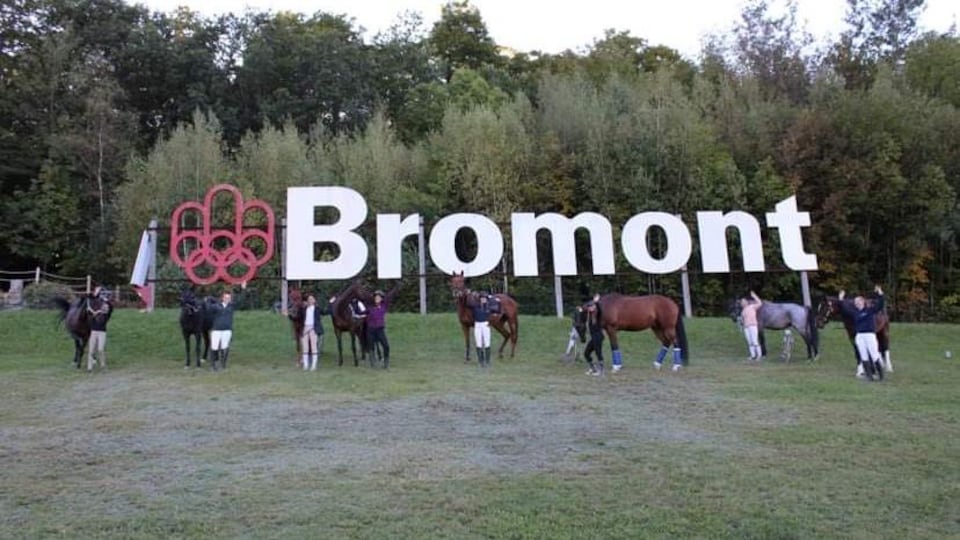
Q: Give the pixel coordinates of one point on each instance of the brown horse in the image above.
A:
(77, 317)
(506, 322)
(830, 308)
(634, 313)
(344, 321)
(296, 314)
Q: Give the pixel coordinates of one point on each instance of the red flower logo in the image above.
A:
(221, 249)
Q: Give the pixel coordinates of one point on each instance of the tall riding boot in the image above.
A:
(386, 361)
(226, 353)
(486, 356)
(480, 356)
(878, 367)
(215, 360)
(868, 369)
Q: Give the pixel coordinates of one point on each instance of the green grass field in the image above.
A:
(435, 448)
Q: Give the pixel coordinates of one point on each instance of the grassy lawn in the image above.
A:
(435, 448)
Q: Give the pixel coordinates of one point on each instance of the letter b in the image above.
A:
(302, 233)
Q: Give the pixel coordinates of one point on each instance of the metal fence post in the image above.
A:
(152, 273)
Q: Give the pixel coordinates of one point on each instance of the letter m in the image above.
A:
(562, 235)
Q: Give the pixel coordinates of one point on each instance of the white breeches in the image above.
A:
(220, 339)
(867, 347)
(753, 341)
(481, 334)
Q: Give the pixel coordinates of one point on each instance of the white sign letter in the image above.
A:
(390, 234)
(303, 233)
(713, 226)
(634, 240)
(524, 227)
(788, 220)
(443, 250)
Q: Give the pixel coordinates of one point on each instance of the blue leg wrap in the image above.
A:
(617, 357)
(677, 360)
(661, 355)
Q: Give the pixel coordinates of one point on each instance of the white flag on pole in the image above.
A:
(142, 266)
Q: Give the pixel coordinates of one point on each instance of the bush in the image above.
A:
(41, 295)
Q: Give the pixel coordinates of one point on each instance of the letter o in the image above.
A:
(443, 251)
(634, 241)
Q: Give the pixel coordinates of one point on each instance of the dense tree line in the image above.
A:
(111, 114)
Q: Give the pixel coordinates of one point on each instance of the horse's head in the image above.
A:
(580, 323)
(734, 309)
(458, 285)
(827, 308)
(188, 299)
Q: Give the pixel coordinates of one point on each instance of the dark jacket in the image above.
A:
(222, 315)
(863, 319)
(481, 313)
(101, 317)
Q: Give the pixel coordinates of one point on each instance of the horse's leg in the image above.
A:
(884, 342)
(353, 347)
(78, 346)
(616, 359)
(339, 334)
(505, 332)
(466, 342)
(787, 353)
(514, 323)
(200, 352)
(186, 345)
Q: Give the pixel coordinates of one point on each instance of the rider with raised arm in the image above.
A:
(222, 330)
(748, 314)
(864, 322)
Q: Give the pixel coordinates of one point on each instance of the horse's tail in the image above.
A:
(682, 339)
(63, 305)
(812, 330)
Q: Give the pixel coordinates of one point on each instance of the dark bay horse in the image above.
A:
(343, 320)
(660, 314)
(76, 318)
(296, 315)
(784, 316)
(196, 320)
(506, 322)
(830, 308)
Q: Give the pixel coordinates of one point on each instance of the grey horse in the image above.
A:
(786, 316)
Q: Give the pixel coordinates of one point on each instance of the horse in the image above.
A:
(77, 318)
(662, 315)
(295, 314)
(343, 320)
(784, 316)
(196, 321)
(829, 307)
(506, 322)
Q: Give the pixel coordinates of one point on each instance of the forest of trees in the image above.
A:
(111, 114)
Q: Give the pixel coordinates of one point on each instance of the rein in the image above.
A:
(92, 311)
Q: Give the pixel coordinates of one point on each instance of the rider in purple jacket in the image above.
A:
(376, 325)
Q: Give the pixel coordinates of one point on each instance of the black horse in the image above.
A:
(195, 320)
(77, 318)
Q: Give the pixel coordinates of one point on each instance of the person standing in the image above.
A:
(100, 311)
(311, 339)
(748, 315)
(377, 326)
(595, 328)
(221, 332)
(864, 322)
(481, 330)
